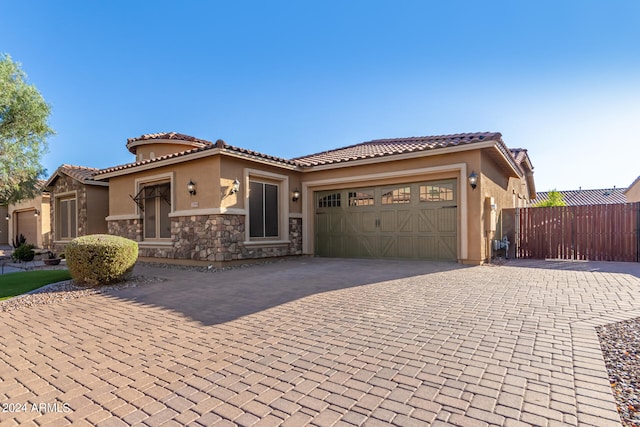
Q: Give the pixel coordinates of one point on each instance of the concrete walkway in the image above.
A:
(325, 342)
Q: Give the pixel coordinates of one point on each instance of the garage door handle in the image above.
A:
(449, 207)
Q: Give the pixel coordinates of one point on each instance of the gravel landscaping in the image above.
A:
(62, 291)
(620, 343)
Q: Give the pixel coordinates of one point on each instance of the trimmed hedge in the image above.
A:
(100, 259)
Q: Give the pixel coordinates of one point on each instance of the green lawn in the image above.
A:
(12, 284)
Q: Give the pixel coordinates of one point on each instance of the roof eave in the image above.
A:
(400, 156)
(193, 156)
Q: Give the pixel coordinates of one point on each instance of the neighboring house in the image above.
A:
(633, 192)
(79, 204)
(31, 219)
(580, 197)
(189, 199)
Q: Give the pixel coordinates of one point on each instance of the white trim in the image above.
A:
(157, 179)
(283, 207)
(122, 217)
(295, 215)
(254, 243)
(208, 211)
(62, 242)
(152, 243)
(66, 194)
(344, 182)
(57, 199)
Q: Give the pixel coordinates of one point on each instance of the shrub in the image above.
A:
(19, 241)
(24, 252)
(100, 259)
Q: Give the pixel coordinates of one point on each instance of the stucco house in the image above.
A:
(632, 193)
(436, 197)
(29, 218)
(78, 204)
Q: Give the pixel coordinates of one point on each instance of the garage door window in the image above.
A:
(396, 196)
(66, 218)
(361, 198)
(263, 210)
(436, 193)
(329, 201)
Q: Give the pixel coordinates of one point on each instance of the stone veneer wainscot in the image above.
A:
(218, 237)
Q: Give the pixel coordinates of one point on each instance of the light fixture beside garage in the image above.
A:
(7, 216)
(473, 180)
(191, 186)
(36, 213)
(296, 195)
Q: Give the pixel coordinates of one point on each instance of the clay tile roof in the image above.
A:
(386, 147)
(208, 146)
(606, 196)
(169, 135)
(81, 173)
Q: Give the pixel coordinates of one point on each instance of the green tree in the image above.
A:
(23, 133)
(555, 199)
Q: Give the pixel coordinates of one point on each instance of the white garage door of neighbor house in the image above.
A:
(27, 225)
(413, 220)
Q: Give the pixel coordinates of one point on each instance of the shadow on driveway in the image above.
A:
(218, 297)
(632, 268)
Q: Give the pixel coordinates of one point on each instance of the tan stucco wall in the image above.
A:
(633, 193)
(145, 151)
(507, 192)
(214, 176)
(97, 209)
(234, 168)
(43, 222)
(203, 172)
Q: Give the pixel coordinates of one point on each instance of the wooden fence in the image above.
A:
(594, 233)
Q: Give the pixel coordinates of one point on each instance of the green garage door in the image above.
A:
(415, 220)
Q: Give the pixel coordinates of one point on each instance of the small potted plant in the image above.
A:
(52, 259)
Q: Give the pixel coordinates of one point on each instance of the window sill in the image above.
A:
(152, 243)
(252, 243)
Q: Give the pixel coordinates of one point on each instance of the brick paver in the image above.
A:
(324, 342)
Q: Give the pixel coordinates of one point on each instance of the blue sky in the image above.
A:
(288, 78)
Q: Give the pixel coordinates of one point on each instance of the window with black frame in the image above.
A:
(263, 210)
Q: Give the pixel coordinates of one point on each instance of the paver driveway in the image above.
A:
(324, 342)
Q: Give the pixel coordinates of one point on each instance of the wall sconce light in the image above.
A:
(296, 195)
(36, 213)
(473, 180)
(236, 186)
(7, 217)
(192, 188)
